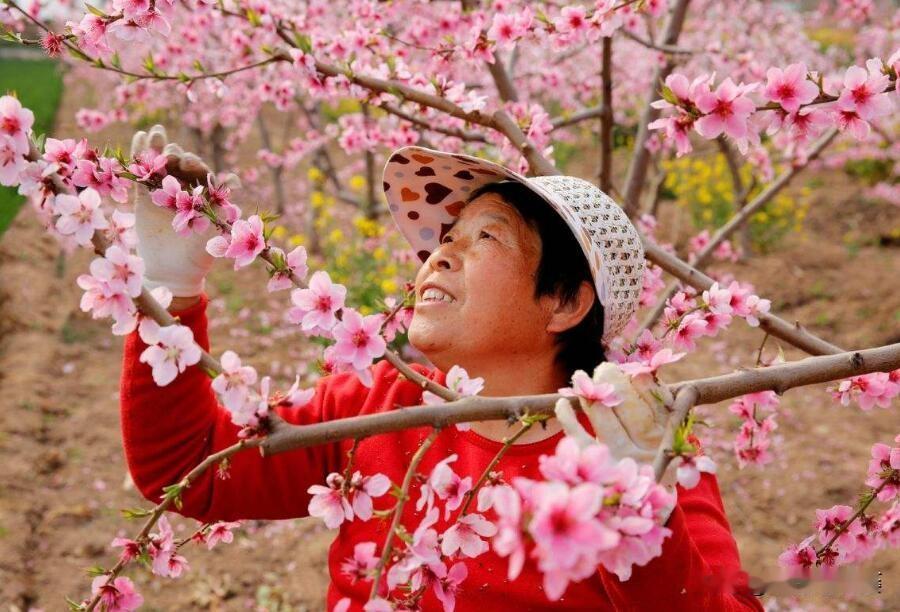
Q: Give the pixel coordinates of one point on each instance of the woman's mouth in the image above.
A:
(433, 296)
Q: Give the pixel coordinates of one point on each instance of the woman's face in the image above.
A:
(487, 262)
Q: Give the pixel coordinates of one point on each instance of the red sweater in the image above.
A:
(169, 430)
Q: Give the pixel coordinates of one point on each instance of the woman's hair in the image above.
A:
(561, 271)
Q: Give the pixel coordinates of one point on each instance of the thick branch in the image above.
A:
(794, 334)
(780, 378)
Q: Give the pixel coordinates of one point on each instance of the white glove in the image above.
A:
(634, 428)
(179, 263)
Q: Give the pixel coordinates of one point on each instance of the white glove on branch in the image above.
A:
(180, 263)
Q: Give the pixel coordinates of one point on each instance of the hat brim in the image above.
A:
(427, 189)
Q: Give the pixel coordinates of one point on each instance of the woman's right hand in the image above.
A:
(180, 263)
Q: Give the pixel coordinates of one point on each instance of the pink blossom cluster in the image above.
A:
(846, 535)
(868, 390)
(757, 414)
(724, 251)
(341, 500)
(792, 100)
(589, 511)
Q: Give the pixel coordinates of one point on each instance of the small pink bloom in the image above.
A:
(295, 262)
(863, 91)
(446, 588)
(315, 307)
(756, 307)
(189, 213)
(221, 532)
(692, 327)
(656, 361)
(361, 564)
(246, 241)
(790, 88)
(15, 123)
(174, 352)
(234, 382)
(595, 394)
(798, 559)
(365, 488)
(80, 216)
(120, 230)
(329, 503)
(118, 595)
(169, 194)
(727, 110)
(149, 165)
(358, 339)
(466, 534)
(690, 469)
(130, 548)
(102, 176)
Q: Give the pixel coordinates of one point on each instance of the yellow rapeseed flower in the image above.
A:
(388, 286)
(279, 232)
(357, 182)
(314, 174)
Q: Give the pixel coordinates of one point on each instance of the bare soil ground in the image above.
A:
(64, 478)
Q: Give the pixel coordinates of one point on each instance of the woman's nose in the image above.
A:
(444, 258)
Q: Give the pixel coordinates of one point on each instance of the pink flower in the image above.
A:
(657, 360)
(52, 44)
(361, 564)
(863, 91)
(506, 29)
(690, 468)
(101, 175)
(329, 503)
(798, 559)
(12, 163)
(572, 19)
(221, 532)
(294, 263)
(118, 595)
(595, 394)
(718, 299)
(102, 300)
(884, 467)
(80, 216)
(358, 339)
(120, 270)
(509, 542)
(828, 521)
(234, 382)
(446, 587)
(790, 88)
(446, 484)
(246, 242)
(315, 307)
(574, 464)
(120, 230)
(756, 306)
(149, 165)
(90, 34)
(15, 123)
(692, 327)
(850, 121)
(466, 534)
(364, 489)
(726, 111)
(189, 213)
(130, 548)
(173, 353)
(169, 195)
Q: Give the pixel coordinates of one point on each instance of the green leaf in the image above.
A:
(303, 42)
(95, 570)
(253, 18)
(669, 96)
(95, 11)
(199, 66)
(149, 65)
(173, 493)
(39, 141)
(78, 54)
(74, 606)
(115, 61)
(134, 513)
(184, 78)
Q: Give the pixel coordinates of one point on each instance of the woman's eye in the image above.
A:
(483, 233)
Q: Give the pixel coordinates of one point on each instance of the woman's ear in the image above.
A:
(567, 316)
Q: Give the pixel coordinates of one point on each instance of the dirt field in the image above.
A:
(64, 478)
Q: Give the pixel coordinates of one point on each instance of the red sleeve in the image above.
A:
(699, 568)
(168, 430)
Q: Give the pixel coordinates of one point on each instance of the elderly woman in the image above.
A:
(522, 282)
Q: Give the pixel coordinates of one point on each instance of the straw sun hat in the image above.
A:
(427, 189)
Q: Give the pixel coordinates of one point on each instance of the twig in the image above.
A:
(685, 399)
(398, 509)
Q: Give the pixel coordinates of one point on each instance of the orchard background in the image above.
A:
(824, 251)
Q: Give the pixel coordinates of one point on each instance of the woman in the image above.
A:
(508, 289)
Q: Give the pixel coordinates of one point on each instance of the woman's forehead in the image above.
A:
(490, 205)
